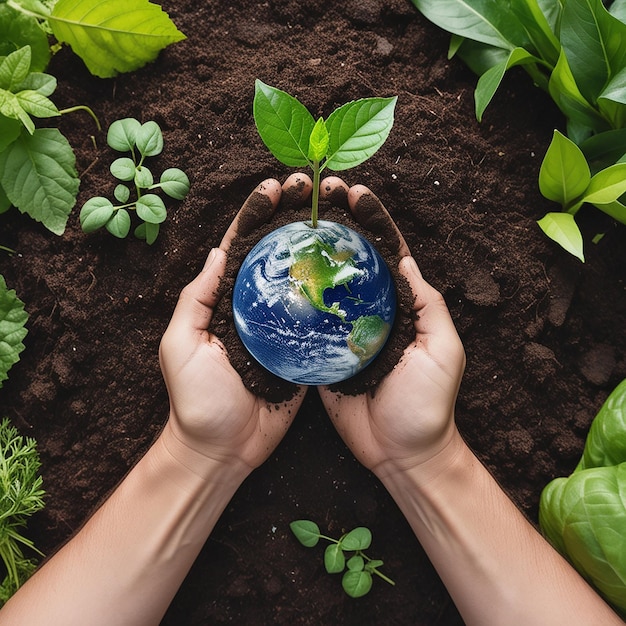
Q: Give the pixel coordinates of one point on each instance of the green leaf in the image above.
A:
(318, 142)
(564, 173)
(605, 149)
(306, 532)
(10, 130)
(119, 224)
(175, 183)
(607, 185)
(148, 232)
(5, 203)
(150, 208)
(36, 104)
(13, 320)
(14, 68)
(19, 30)
(489, 82)
(481, 20)
(284, 124)
(358, 539)
(121, 193)
(357, 130)
(334, 559)
(562, 228)
(10, 107)
(538, 28)
(356, 563)
(143, 177)
(95, 213)
(149, 139)
(39, 82)
(123, 168)
(356, 584)
(616, 210)
(38, 174)
(113, 36)
(122, 134)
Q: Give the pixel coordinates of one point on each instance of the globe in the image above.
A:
(314, 305)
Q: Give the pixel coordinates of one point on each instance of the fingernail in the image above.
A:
(413, 266)
(210, 259)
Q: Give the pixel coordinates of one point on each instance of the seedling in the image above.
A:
(141, 141)
(351, 134)
(345, 554)
(21, 495)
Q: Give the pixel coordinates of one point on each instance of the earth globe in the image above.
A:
(314, 305)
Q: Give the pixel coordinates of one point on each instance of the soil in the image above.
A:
(545, 335)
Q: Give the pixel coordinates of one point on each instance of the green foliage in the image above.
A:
(141, 141)
(13, 319)
(575, 51)
(584, 515)
(110, 36)
(345, 554)
(351, 134)
(21, 495)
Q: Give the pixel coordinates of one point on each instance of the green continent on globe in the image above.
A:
(367, 336)
(318, 267)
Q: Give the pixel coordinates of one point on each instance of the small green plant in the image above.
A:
(576, 52)
(13, 320)
(345, 554)
(21, 495)
(351, 134)
(141, 141)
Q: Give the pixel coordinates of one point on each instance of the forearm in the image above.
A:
(496, 566)
(127, 562)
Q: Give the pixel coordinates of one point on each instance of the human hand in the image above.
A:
(409, 418)
(211, 411)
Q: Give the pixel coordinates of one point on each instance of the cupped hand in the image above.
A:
(409, 418)
(211, 411)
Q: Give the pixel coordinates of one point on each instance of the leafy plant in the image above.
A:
(351, 134)
(37, 165)
(141, 141)
(584, 515)
(13, 318)
(345, 554)
(575, 51)
(21, 495)
(110, 36)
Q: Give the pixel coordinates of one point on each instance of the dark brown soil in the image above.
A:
(545, 335)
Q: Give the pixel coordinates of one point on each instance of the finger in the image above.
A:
(370, 213)
(296, 191)
(256, 210)
(194, 309)
(334, 190)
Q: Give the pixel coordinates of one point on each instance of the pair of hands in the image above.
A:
(406, 422)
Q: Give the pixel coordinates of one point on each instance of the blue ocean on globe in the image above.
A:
(314, 305)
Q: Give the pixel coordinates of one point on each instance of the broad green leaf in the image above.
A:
(10, 107)
(616, 210)
(122, 134)
(113, 36)
(95, 213)
(318, 142)
(614, 112)
(36, 104)
(618, 10)
(356, 563)
(356, 584)
(123, 168)
(18, 30)
(595, 44)
(284, 124)
(38, 174)
(13, 320)
(150, 208)
(607, 185)
(10, 130)
(486, 21)
(564, 173)
(545, 43)
(489, 82)
(479, 57)
(45, 84)
(616, 88)
(357, 130)
(567, 96)
(562, 228)
(605, 149)
(306, 532)
(143, 177)
(358, 539)
(334, 559)
(14, 68)
(148, 232)
(121, 193)
(149, 139)
(119, 224)
(175, 183)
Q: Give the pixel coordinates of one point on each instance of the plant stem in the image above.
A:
(82, 107)
(316, 193)
(5, 249)
(385, 578)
